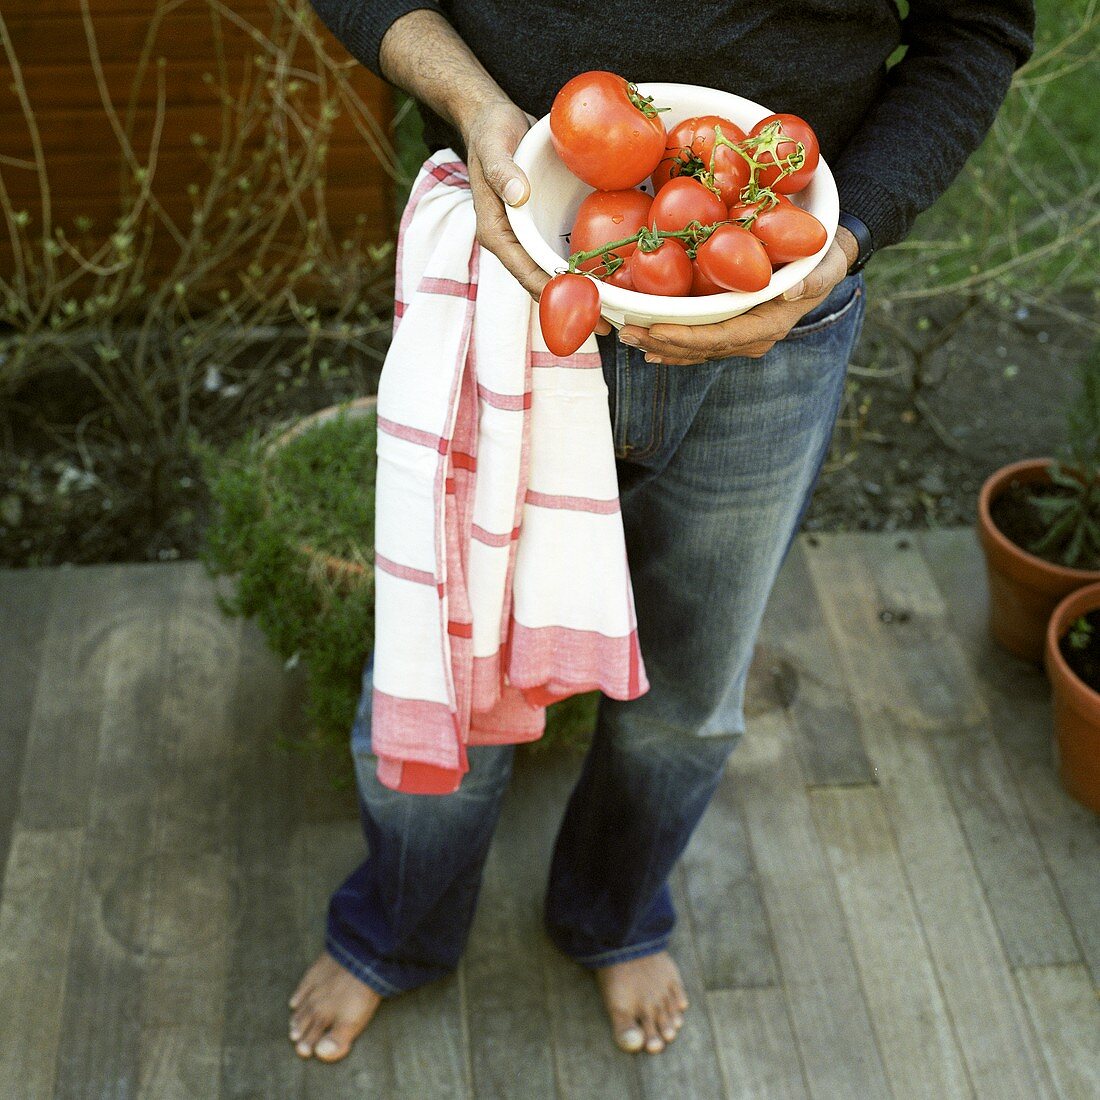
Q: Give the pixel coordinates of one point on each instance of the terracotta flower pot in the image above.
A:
(1076, 705)
(1023, 589)
(341, 570)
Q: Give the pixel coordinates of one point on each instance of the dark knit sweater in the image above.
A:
(894, 139)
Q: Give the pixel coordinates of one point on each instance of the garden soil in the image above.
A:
(904, 455)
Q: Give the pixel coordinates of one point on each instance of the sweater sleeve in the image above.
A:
(938, 103)
(360, 25)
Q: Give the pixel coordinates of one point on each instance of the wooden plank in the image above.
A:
(911, 1021)
(101, 1022)
(266, 953)
(992, 1028)
(729, 923)
(25, 600)
(1019, 701)
(1021, 894)
(828, 1012)
(36, 924)
(188, 869)
(587, 1063)
(810, 681)
(508, 1019)
(1066, 1014)
(755, 1042)
(64, 730)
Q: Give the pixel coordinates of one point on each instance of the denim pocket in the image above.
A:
(841, 300)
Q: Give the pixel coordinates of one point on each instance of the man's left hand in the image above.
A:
(754, 333)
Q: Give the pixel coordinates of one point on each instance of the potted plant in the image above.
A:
(1072, 659)
(293, 526)
(1039, 527)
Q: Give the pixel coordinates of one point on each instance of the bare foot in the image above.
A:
(645, 1000)
(331, 1007)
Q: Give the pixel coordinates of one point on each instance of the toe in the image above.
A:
(628, 1035)
(663, 1020)
(313, 1031)
(336, 1042)
(654, 1044)
(679, 997)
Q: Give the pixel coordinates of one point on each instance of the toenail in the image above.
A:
(326, 1046)
(654, 1045)
(632, 1037)
(303, 1049)
(669, 1033)
(295, 1034)
(678, 1020)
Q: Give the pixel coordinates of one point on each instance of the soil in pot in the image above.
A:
(1080, 647)
(1017, 518)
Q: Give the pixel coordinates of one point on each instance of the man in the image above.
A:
(720, 431)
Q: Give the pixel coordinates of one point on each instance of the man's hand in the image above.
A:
(753, 334)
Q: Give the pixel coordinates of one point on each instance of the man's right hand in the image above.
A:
(491, 137)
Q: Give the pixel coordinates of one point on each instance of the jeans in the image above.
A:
(716, 466)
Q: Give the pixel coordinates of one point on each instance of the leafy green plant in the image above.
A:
(276, 504)
(293, 528)
(1080, 633)
(1072, 515)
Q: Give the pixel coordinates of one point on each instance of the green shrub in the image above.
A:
(316, 492)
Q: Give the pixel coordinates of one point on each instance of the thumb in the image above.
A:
(506, 178)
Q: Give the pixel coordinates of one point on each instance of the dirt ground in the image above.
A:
(902, 457)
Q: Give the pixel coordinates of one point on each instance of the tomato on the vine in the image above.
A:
(700, 284)
(621, 277)
(569, 310)
(683, 200)
(607, 134)
(795, 130)
(606, 216)
(688, 152)
(666, 270)
(788, 232)
(733, 258)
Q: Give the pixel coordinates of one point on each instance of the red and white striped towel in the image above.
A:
(501, 576)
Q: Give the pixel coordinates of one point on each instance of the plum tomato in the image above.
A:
(683, 200)
(666, 270)
(788, 232)
(621, 277)
(607, 134)
(569, 310)
(733, 258)
(688, 149)
(700, 284)
(795, 129)
(606, 216)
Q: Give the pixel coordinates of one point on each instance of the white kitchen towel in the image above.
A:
(501, 575)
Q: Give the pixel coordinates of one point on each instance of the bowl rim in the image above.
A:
(685, 308)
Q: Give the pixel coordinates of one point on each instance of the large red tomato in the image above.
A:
(733, 258)
(605, 132)
(569, 310)
(795, 129)
(606, 216)
(666, 270)
(683, 200)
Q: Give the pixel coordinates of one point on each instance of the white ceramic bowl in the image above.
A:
(544, 222)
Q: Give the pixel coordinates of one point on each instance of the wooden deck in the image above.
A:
(889, 896)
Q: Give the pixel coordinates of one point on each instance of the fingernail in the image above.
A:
(629, 339)
(794, 293)
(513, 192)
(651, 358)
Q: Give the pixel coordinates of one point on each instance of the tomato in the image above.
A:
(666, 270)
(688, 152)
(605, 132)
(788, 232)
(606, 216)
(739, 210)
(795, 129)
(621, 278)
(700, 284)
(569, 311)
(683, 200)
(733, 258)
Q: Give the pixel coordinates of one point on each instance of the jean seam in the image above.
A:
(658, 410)
(360, 969)
(797, 333)
(623, 953)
